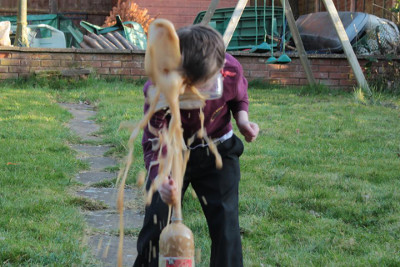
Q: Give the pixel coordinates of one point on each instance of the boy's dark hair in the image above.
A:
(203, 52)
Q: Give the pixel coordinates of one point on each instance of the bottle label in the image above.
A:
(176, 262)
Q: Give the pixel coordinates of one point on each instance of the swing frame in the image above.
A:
(330, 7)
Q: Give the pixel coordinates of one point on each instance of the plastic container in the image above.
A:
(53, 39)
(250, 29)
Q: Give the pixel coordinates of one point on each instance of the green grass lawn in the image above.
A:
(320, 186)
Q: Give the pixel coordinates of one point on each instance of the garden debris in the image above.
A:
(5, 27)
(111, 41)
(122, 35)
(319, 35)
(381, 37)
(129, 11)
(368, 34)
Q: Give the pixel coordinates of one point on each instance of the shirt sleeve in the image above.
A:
(240, 100)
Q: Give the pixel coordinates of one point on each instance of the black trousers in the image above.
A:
(220, 189)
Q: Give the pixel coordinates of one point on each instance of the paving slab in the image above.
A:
(107, 195)
(81, 124)
(88, 178)
(109, 220)
(105, 247)
(76, 106)
(85, 129)
(100, 163)
(90, 150)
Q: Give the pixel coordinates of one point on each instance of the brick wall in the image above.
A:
(180, 12)
(332, 70)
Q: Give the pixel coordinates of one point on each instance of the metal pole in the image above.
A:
(21, 36)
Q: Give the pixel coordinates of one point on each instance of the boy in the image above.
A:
(203, 58)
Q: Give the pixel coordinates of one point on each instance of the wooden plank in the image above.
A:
(237, 13)
(299, 43)
(210, 12)
(348, 50)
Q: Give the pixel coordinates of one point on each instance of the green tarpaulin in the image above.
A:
(132, 31)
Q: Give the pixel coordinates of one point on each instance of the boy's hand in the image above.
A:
(248, 129)
(169, 192)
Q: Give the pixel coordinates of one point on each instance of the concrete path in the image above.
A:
(103, 224)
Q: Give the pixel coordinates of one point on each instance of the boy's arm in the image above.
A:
(239, 105)
(247, 128)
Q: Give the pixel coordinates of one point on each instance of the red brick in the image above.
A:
(329, 82)
(68, 63)
(245, 59)
(323, 62)
(273, 66)
(258, 74)
(321, 75)
(278, 74)
(41, 56)
(120, 71)
(50, 63)
(9, 62)
(348, 82)
(4, 76)
(288, 67)
(18, 69)
(16, 55)
(62, 56)
(132, 64)
(30, 63)
(138, 58)
(292, 81)
(94, 64)
(80, 57)
(329, 69)
(102, 57)
(5, 55)
(111, 64)
(103, 71)
(137, 72)
(342, 62)
(24, 55)
(123, 57)
(335, 75)
(303, 82)
(246, 73)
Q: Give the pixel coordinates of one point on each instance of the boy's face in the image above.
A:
(212, 88)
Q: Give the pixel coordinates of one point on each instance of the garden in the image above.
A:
(319, 186)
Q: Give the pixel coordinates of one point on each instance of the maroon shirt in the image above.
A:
(217, 113)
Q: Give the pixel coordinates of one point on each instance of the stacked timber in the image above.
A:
(111, 41)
